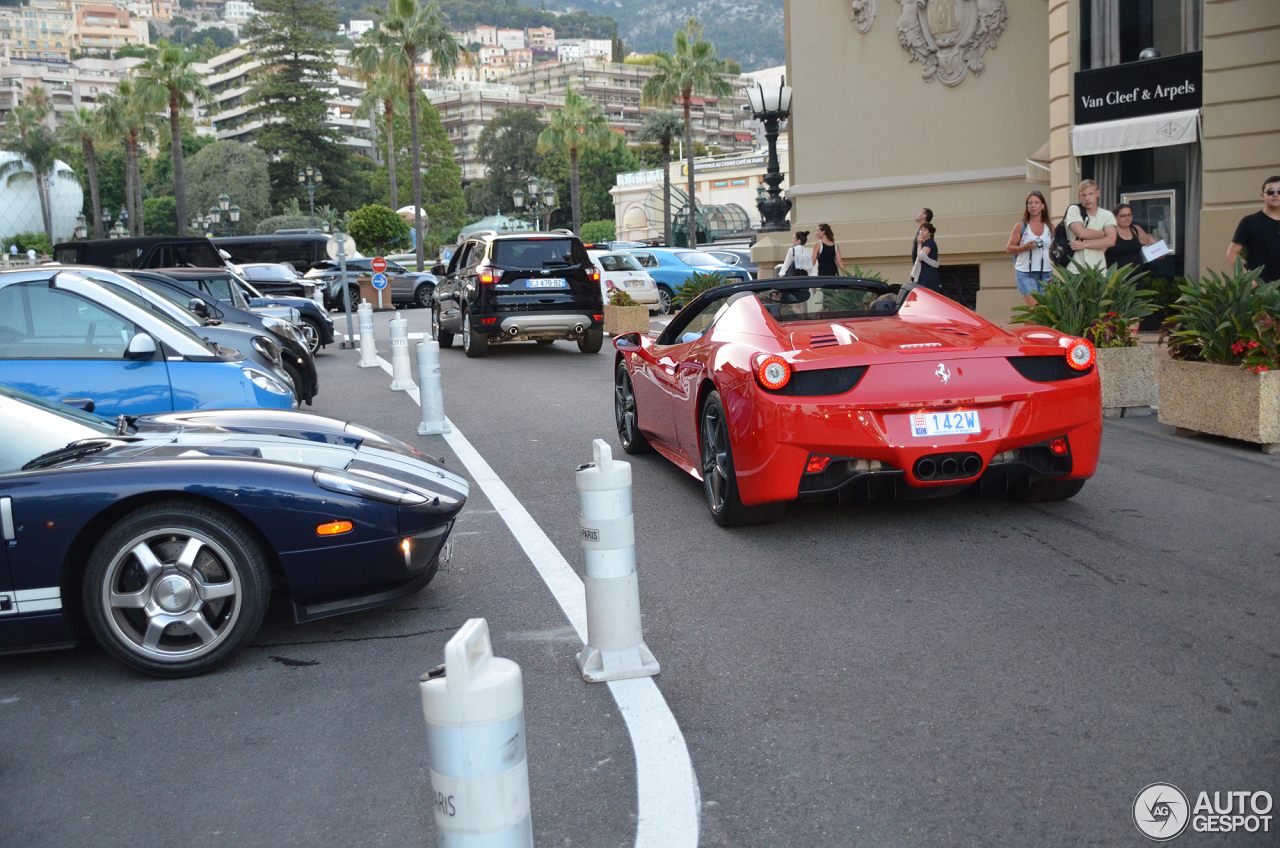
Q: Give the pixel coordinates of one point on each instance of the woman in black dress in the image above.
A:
(925, 272)
(826, 256)
(1130, 239)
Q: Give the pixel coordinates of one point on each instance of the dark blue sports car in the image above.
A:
(164, 534)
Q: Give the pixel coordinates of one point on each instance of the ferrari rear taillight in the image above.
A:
(488, 276)
(1059, 446)
(1080, 354)
(816, 464)
(772, 372)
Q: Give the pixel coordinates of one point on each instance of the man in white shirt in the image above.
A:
(1094, 231)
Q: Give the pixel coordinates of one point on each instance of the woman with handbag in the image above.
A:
(798, 262)
(1029, 245)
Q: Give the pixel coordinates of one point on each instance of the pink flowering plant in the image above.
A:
(1259, 347)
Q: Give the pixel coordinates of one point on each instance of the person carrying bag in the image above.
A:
(799, 263)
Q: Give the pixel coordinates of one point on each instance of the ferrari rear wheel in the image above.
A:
(625, 412)
(719, 480)
(1047, 491)
(176, 589)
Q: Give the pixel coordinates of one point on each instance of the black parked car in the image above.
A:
(300, 249)
(295, 356)
(404, 287)
(141, 252)
(519, 287)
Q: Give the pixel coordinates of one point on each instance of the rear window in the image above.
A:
(538, 253)
(198, 254)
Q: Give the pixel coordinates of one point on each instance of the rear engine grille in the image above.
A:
(822, 381)
(1046, 369)
(823, 340)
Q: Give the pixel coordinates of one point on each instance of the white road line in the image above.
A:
(669, 802)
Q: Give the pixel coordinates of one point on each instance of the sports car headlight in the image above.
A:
(266, 381)
(366, 487)
(269, 349)
(282, 328)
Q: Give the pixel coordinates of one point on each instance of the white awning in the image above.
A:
(1136, 133)
(1038, 165)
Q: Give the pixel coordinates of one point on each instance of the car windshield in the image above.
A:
(34, 426)
(826, 303)
(166, 293)
(536, 252)
(699, 260)
(181, 315)
(275, 273)
(646, 260)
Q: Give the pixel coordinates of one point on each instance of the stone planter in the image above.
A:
(625, 319)
(1224, 400)
(1128, 376)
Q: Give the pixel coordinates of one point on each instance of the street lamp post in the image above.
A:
(540, 201)
(82, 228)
(309, 178)
(771, 106)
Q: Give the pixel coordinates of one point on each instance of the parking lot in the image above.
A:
(946, 672)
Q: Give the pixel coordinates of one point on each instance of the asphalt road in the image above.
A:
(953, 672)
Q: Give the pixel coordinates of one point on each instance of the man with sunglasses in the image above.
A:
(1258, 235)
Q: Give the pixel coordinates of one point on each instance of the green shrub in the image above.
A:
(618, 297)
(697, 284)
(160, 216)
(1217, 312)
(593, 231)
(268, 226)
(1078, 299)
(26, 241)
(866, 274)
(378, 230)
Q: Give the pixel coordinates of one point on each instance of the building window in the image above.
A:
(1113, 32)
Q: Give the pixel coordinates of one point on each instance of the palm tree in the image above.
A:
(663, 128)
(127, 116)
(28, 135)
(578, 127)
(169, 78)
(693, 68)
(384, 92)
(84, 127)
(410, 31)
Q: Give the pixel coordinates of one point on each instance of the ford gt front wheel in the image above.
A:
(176, 589)
(719, 480)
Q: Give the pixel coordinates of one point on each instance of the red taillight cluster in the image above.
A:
(493, 320)
(1059, 446)
(1080, 354)
(488, 276)
(816, 464)
(594, 273)
(598, 317)
(772, 371)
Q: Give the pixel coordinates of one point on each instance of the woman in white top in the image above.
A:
(798, 261)
(1029, 243)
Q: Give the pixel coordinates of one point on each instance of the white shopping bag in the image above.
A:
(1152, 252)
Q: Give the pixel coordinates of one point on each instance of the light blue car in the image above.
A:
(69, 339)
(670, 267)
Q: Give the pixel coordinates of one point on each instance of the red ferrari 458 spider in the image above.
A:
(810, 387)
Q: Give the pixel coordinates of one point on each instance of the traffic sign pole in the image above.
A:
(379, 280)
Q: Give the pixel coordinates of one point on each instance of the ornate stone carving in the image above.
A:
(949, 37)
(863, 13)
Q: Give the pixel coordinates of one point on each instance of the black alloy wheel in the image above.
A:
(474, 344)
(719, 480)
(311, 332)
(445, 339)
(625, 413)
(176, 588)
(665, 298)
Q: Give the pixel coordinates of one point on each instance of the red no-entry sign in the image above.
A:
(379, 264)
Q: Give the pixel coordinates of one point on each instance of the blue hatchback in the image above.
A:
(671, 267)
(71, 340)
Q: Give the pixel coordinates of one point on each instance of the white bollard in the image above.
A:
(430, 394)
(474, 708)
(317, 294)
(615, 648)
(368, 345)
(401, 373)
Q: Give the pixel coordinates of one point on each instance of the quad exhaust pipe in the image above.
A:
(948, 466)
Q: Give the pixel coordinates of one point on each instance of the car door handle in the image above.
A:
(81, 403)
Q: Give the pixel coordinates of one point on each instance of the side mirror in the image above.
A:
(627, 342)
(197, 306)
(141, 347)
(82, 404)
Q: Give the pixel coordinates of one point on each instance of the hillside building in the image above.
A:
(577, 49)
(80, 82)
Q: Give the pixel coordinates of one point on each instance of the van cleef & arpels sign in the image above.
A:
(949, 37)
(1138, 89)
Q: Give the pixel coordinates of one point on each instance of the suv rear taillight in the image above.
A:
(488, 276)
(594, 273)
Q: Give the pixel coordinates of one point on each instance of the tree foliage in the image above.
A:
(598, 169)
(576, 129)
(162, 216)
(596, 231)
(508, 148)
(240, 170)
(378, 230)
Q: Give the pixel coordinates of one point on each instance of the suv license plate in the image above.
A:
(945, 423)
(548, 283)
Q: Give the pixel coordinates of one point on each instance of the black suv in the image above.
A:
(519, 287)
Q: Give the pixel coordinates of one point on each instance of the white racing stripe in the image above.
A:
(669, 803)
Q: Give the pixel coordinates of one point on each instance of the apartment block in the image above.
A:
(81, 82)
(577, 49)
(541, 38)
(41, 31)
